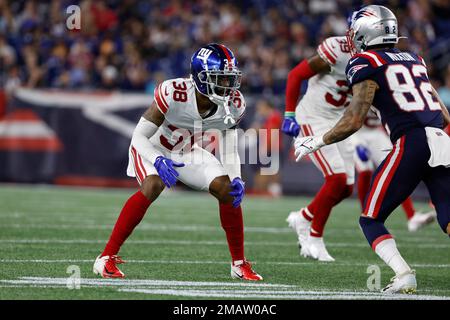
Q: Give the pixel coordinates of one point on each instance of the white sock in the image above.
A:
(388, 252)
(315, 240)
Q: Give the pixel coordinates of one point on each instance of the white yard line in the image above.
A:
(363, 244)
(211, 289)
(289, 295)
(312, 263)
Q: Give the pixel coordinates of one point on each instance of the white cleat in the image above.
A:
(420, 220)
(304, 251)
(404, 283)
(300, 225)
(316, 249)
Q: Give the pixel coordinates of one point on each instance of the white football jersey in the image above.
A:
(328, 94)
(175, 98)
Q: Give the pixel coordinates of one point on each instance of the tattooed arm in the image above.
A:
(355, 114)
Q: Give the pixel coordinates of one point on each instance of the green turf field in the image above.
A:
(179, 250)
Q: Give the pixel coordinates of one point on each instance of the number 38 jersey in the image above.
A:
(176, 99)
(404, 99)
(327, 93)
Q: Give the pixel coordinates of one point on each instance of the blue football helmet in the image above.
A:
(215, 73)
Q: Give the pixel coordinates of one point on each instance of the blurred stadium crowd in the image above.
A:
(131, 45)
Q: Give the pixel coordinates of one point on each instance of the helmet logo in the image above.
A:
(365, 13)
(203, 55)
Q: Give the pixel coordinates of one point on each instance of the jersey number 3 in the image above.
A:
(406, 93)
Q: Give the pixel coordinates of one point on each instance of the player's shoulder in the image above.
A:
(374, 58)
(238, 105)
(172, 91)
(364, 65)
(334, 49)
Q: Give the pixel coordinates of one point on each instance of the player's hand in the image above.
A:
(307, 145)
(166, 171)
(290, 127)
(363, 153)
(238, 187)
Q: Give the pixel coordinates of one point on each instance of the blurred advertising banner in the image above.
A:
(68, 138)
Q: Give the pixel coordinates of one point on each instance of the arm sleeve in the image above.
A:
(229, 155)
(301, 72)
(140, 140)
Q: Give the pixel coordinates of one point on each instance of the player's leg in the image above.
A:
(393, 181)
(130, 216)
(438, 184)
(378, 144)
(363, 163)
(204, 172)
(335, 188)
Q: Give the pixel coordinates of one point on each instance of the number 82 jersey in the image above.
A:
(404, 99)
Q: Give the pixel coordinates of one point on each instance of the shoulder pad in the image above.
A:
(327, 52)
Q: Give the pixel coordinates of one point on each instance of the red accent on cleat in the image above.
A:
(110, 270)
(246, 272)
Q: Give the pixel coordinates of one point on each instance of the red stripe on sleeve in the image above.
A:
(159, 102)
(328, 55)
(371, 60)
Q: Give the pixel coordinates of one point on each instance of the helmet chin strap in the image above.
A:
(224, 102)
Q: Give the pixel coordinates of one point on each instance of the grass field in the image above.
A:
(179, 250)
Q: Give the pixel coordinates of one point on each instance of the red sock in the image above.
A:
(233, 224)
(364, 178)
(333, 191)
(308, 215)
(408, 207)
(132, 213)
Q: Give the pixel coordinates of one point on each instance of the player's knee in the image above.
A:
(220, 189)
(348, 191)
(448, 229)
(152, 187)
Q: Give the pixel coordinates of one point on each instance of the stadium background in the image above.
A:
(69, 100)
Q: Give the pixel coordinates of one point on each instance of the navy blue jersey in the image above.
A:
(404, 99)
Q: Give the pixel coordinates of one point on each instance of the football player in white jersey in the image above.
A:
(319, 109)
(372, 144)
(163, 150)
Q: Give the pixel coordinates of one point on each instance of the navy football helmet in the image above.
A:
(215, 73)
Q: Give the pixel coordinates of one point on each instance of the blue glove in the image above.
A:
(166, 172)
(290, 127)
(363, 153)
(238, 187)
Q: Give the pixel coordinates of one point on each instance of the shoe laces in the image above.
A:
(116, 259)
(248, 267)
(413, 272)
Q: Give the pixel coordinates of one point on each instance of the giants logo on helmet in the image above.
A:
(203, 55)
